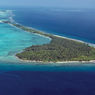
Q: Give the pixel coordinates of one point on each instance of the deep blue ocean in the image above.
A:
(73, 23)
(22, 79)
(47, 79)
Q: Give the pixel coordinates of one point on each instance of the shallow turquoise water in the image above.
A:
(13, 40)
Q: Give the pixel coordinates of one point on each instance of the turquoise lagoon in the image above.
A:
(13, 40)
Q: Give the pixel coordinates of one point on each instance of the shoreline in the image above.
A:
(68, 38)
(64, 62)
(90, 44)
(59, 62)
(48, 35)
(64, 37)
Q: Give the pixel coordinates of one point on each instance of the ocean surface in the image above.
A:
(21, 78)
(73, 23)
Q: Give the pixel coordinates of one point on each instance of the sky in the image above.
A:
(50, 3)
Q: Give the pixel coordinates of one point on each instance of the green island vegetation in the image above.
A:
(58, 50)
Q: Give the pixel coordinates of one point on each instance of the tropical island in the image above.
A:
(58, 50)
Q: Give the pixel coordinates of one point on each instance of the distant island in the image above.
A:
(59, 49)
